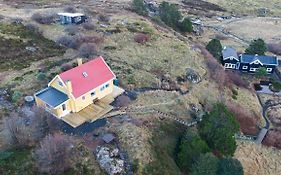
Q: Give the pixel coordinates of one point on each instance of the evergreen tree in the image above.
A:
(139, 7)
(230, 166)
(190, 148)
(170, 14)
(215, 48)
(218, 128)
(207, 164)
(186, 25)
(257, 46)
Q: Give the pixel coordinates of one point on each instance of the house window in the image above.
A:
(78, 19)
(47, 106)
(60, 83)
(269, 69)
(93, 93)
(102, 88)
(228, 65)
(63, 107)
(107, 85)
(245, 67)
(253, 69)
(83, 98)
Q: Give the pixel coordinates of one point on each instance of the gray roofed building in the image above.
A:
(107, 138)
(267, 60)
(52, 96)
(229, 53)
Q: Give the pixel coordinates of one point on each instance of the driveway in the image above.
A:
(266, 90)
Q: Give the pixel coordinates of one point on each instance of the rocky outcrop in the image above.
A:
(109, 160)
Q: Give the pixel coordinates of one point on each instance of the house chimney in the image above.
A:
(69, 86)
(79, 61)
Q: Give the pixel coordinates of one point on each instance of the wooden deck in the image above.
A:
(94, 111)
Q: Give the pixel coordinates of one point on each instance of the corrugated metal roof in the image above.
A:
(229, 52)
(272, 60)
(52, 96)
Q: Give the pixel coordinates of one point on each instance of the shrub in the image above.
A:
(16, 96)
(88, 26)
(257, 46)
(186, 25)
(33, 28)
(234, 92)
(276, 86)
(257, 87)
(261, 72)
(68, 41)
(43, 18)
(25, 130)
(215, 48)
(141, 38)
(41, 76)
(87, 50)
(71, 29)
(56, 154)
(103, 18)
(139, 7)
(274, 48)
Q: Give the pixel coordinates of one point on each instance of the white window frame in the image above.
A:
(253, 69)
(269, 69)
(245, 67)
(229, 65)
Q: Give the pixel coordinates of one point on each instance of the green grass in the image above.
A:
(164, 146)
(16, 161)
(14, 38)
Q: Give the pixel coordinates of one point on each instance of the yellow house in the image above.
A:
(77, 88)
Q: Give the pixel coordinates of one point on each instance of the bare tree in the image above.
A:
(56, 154)
(25, 130)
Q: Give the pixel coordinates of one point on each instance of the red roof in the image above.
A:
(97, 73)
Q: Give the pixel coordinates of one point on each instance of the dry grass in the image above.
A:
(252, 28)
(164, 53)
(249, 7)
(135, 140)
(258, 160)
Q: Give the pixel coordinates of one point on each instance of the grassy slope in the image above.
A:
(14, 38)
(164, 143)
(249, 6)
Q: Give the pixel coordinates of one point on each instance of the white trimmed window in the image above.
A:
(253, 69)
(83, 97)
(228, 65)
(245, 67)
(93, 93)
(269, 69)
